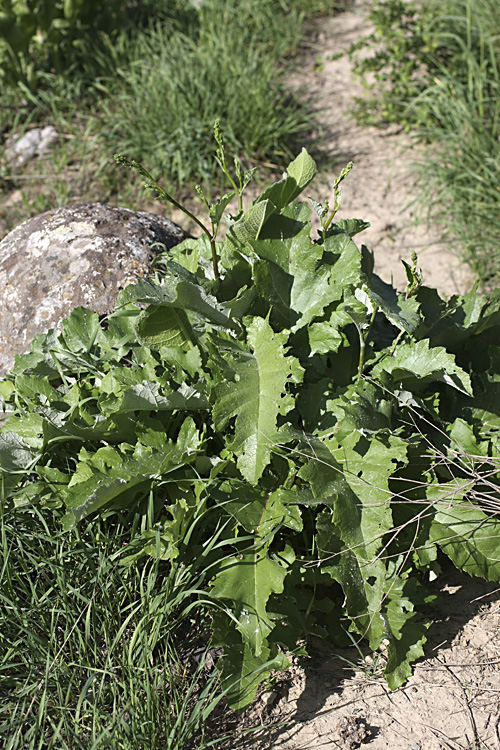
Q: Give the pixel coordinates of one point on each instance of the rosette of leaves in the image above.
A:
(309, 439)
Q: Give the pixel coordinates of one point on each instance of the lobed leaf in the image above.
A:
(251, 384)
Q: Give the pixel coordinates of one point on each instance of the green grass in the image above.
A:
(95, 654)
(177, 86)
(153, 92)
(437, 74)
(460, 173)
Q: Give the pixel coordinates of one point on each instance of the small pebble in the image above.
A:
(269, 698)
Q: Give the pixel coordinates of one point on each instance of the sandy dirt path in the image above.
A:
(381, 185)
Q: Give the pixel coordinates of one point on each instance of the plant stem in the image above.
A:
(186, 211)
(363, 336)
(167, 197)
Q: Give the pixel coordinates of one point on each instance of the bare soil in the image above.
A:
(336, 699)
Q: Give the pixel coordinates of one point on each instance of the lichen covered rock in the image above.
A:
(77, 255)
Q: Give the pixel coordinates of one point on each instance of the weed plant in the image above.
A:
(302, 439)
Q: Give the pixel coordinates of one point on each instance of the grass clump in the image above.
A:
(94, 653)
(178, 84)
(435, 70)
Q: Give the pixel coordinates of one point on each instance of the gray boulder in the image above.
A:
(21, 148)
(77, 255)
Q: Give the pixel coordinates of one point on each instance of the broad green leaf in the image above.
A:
(329, 269)
(184, 361)
(299, 174)
(15, 454)
(48, 491)
(402, 652)
(302, 169)
(252, 388)
(262, 513)
(405, 627)
(36, 389)
(217, 209)
(346, 259)
(179, 290)
(41, 359)
(466, 533)
(111, 477)
(245, 503)
(345, 568)
(464, 442)
(29, 428)
(16, 458)
(250, 225)
(381, 296)
(357, 525)
(308, 273)
(159, 326)
(241, 671)
(247, 581)
(363, 409)
(352, 536)
(96, 492)
(7, 391)
(119, 335)
(282, 507)
(62, 420)
(274, 286)
(318, 208)
(327, 336)
(368, 466)
(349, 226)
(193, 254)
(421, 362)
(284, 238)
(81, 329)
(148, 396)
(482, 313)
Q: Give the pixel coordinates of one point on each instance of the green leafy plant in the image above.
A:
(306, 438)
